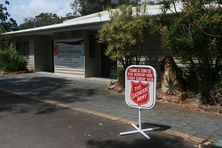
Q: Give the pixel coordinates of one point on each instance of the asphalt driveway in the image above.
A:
(92, 95)
(26, 123)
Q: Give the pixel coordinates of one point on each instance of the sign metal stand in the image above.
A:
(140, 128)
(134, 74)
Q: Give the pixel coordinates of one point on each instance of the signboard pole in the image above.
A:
(140, 93)
(140, 128)
(140, 118)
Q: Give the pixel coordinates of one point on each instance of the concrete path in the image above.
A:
(92, 95)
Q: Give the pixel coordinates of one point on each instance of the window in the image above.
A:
(23, 48)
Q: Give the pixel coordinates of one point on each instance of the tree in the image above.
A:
(43, 19)
(124, 35)
(29, 22)
(196, 34)
(84, 7)
(69, 16)
(6, 22)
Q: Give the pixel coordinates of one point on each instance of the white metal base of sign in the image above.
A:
(139, 129)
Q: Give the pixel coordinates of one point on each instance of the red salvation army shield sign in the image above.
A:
(139, 93)
(140, 86)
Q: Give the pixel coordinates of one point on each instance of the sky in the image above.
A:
(20, 9)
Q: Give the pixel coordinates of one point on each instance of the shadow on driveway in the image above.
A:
(156, 141)
(18, 105)
(65, 91)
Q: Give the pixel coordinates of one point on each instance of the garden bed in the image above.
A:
(3, 73)
(191, 103)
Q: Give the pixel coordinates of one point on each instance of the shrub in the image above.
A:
(191, 80)
(113, 73)
(216, 94)
(121, 76)
(10, 61)
(195, 34)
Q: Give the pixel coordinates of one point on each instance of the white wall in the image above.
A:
(31, 57)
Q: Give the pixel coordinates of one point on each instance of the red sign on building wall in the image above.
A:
(140, 86)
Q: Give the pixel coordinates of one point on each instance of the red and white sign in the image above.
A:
(140, 86)
(69, 54)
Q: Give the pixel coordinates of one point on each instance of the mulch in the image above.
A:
(3, 73)
(191, 103)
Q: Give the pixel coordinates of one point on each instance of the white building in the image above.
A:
(71, 47)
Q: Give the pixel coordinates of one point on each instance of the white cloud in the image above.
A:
(31, 8)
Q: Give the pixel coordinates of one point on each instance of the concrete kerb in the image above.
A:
(185, 136)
